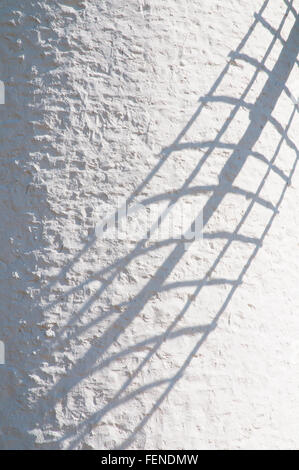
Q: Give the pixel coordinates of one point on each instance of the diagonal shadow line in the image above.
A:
(231, 169)
(289, 4)
(274, 89)
(272, 30)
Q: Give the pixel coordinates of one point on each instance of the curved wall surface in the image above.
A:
(179, 116)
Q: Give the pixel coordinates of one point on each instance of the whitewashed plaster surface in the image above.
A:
(142, 344)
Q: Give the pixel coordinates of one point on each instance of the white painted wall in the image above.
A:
(141, 344)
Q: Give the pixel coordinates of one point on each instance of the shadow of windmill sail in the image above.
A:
(141, 344)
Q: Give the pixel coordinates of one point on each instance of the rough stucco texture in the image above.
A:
(136, 343)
